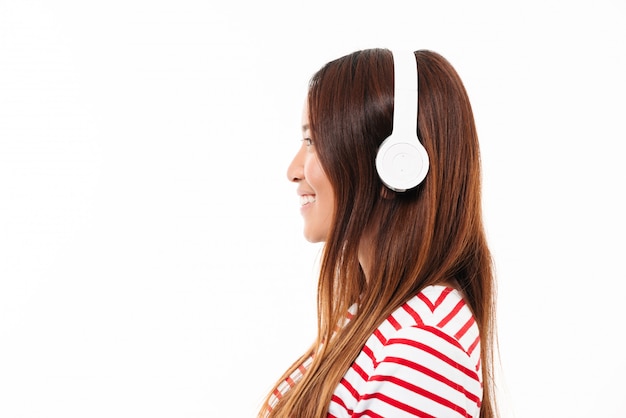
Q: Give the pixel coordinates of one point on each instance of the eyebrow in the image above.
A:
(305, 127)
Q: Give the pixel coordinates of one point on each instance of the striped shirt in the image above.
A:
(422, 361)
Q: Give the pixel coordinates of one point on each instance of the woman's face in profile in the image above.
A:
(317, 200)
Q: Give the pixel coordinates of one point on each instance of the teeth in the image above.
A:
(306, 199)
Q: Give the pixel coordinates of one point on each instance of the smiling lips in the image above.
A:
(306, 199)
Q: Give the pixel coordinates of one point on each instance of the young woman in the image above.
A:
(406, 294)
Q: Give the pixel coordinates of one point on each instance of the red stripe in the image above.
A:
(435, 353)
(452, 314)
(463, 330)
(359, 370)
(439, 333)
(384, 398)
(302, 369)
(277, 393)
(349, 388)
(370, 354)
(443, 296)
(426, 301)
(416, 389)
(394, 323)
(380, 337)
(336, 399)
(434, 375)
(367, 413)
(413, 313)
(473, 346)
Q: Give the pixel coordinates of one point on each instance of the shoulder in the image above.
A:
(439, 311)
(426, 358)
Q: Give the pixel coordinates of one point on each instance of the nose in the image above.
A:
(295, 171)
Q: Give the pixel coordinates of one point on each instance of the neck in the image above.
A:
(366, 255)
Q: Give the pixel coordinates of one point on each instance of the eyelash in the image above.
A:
(308, 141)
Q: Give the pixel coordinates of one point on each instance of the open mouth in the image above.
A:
(306, 199)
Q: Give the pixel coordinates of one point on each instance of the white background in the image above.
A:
(152, 262)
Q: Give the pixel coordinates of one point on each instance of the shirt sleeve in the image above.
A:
(421, 372)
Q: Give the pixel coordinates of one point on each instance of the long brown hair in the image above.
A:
(431, 234)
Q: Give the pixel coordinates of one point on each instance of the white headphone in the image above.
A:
(402, 161)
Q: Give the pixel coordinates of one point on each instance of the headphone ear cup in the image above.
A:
(401, 165)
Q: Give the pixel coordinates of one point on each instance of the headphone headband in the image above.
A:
(402, 161)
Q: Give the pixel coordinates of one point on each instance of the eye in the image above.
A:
(307, 141)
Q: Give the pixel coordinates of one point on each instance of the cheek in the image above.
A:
(321, 184)
(314, 174)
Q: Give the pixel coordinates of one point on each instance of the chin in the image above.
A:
(313, 240)
(313, 237)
